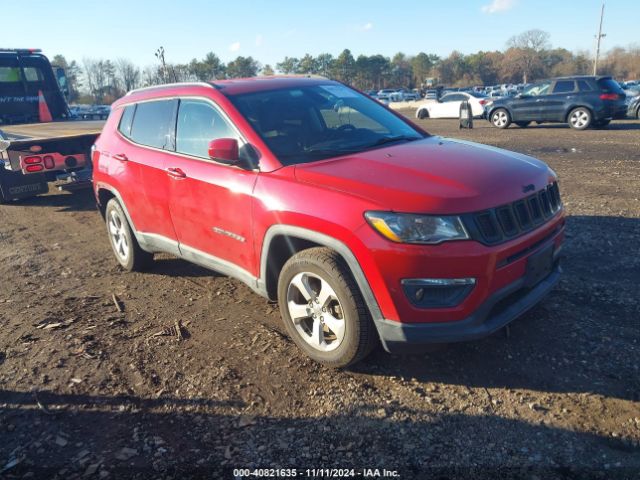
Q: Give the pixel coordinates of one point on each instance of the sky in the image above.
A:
(270, 30)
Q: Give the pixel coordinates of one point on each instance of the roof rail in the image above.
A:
(21, 50)
(169, 85)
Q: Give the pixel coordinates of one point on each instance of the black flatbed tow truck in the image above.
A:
(39, 141)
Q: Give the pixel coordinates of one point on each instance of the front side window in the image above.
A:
(309, 123)
(153, 124)
(200, 122)
(541, 88)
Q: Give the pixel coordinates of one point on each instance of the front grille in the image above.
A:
(505, 222)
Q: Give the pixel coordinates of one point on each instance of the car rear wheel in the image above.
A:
(638, 113)
(323, 309)
(580, 118)
(423, 113)
(522, 124)
(123, 243)
(500, 118)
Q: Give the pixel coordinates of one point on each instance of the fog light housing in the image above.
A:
(437, 292)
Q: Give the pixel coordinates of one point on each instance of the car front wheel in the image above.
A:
(580, 118)
(500, 118)
(323, 309)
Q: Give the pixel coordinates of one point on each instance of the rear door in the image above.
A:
(553, 107)
(137, 158)
(210, 203)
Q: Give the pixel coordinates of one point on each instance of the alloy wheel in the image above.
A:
(579, 119)
(119, 239)
(500, 118)
(315, 311)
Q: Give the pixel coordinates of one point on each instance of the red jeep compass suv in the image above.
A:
(364, 227)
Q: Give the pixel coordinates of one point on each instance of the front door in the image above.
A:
(210, 203)
(527, 107)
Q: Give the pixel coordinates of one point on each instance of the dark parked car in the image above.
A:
(581, 102)
(633, 109)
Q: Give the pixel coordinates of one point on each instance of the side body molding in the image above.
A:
(157, 243)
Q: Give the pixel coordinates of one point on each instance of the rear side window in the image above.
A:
(153, 124)
(564, 86)
(609, 85)
(127, 120)
(199, 123)
(33, 74)
(584, 86)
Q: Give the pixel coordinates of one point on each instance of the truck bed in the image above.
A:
(45, 131)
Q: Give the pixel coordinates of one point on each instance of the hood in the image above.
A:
(433, 175)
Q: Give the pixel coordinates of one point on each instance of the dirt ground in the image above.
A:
(89, 391)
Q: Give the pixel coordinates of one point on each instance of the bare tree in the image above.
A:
(526, 52)
(128, 74)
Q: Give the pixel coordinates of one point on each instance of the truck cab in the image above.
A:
(25, 76)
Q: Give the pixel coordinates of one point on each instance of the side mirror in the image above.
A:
(224, 150)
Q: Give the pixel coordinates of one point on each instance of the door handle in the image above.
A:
(176, 172)
(121, 157)
(538, 100)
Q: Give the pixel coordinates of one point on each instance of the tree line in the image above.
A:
(527, 57)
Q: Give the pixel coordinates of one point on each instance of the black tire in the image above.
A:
(580, 118)
(423, 113)
(359, 335)
(522, 124)
(127, 251)
(500, 118)
(638, 113)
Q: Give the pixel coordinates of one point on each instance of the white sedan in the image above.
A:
(449, 106)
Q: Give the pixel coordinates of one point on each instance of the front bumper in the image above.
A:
(498, 310)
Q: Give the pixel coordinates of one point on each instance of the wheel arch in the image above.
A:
(104, 193)
(573, 107)
(498, 107)
(281, 242)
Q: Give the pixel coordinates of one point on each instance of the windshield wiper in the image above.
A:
(397, 138)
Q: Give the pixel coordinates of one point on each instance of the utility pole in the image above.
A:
(599, 37)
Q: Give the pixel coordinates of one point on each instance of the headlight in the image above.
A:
(410, 228)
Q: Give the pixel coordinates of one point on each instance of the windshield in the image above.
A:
(306, 124)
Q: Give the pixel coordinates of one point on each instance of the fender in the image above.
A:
(326, 241)
(116, 193)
